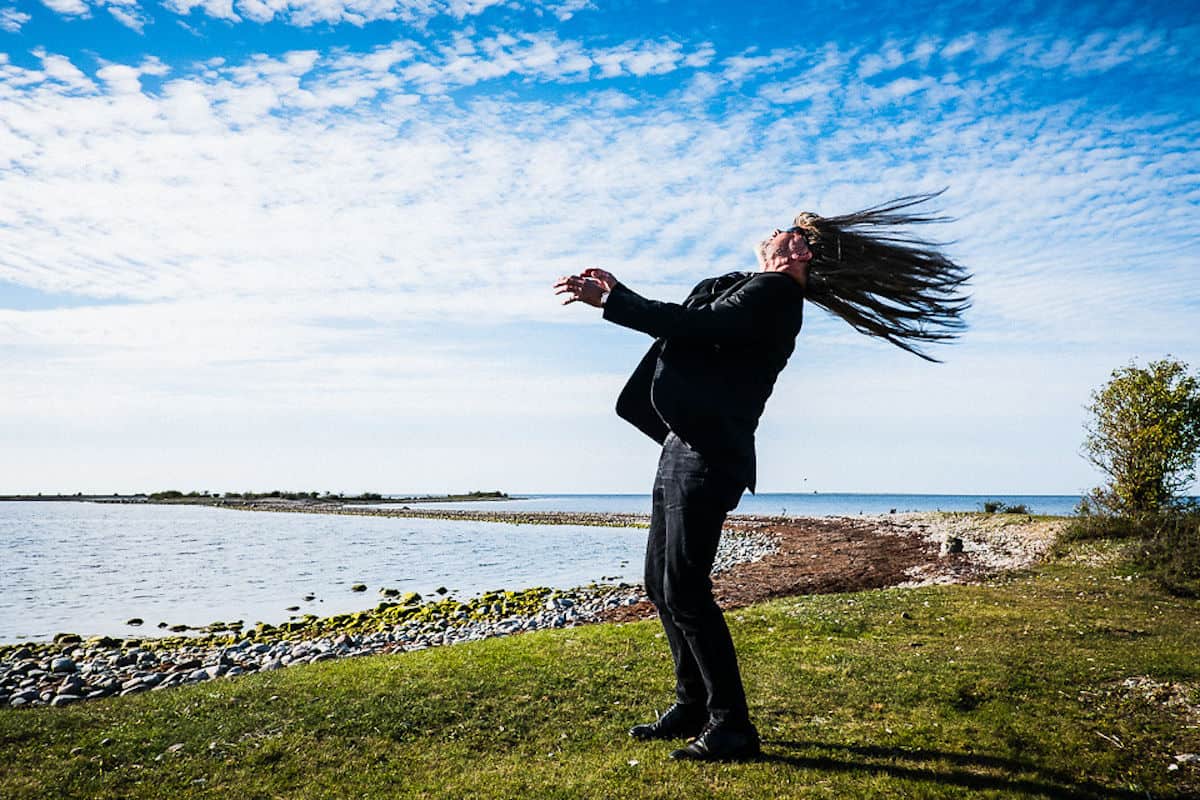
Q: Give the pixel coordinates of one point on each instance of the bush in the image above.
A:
(1143, 434)
(998, 507)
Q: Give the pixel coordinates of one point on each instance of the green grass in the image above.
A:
(1012, 689)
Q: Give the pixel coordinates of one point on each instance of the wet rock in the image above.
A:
(62, 664)
(135, 621)
(122, 660)
(358, 587)
(64, 699)
(67, 638)
(71, 685)
(106, 642)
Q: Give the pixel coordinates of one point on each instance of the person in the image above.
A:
(700, 391)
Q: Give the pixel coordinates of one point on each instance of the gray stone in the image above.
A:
(134, 689)
(62, 664)
(69, 682)
(64, 699)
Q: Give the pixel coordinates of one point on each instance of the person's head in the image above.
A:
(869, 269)
(785, 251)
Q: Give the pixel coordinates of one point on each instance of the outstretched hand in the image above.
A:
(589, 286)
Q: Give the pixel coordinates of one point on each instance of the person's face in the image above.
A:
(784, 250)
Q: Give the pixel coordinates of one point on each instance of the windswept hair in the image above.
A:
(882, 280)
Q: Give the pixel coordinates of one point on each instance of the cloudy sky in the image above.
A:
(309, 244)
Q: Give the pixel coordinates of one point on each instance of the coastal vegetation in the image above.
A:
(219, 498)
(1076, 679)
(1000, 507)
(327, 497)
(1143, 434)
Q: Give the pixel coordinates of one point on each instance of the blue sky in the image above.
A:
(309, 244)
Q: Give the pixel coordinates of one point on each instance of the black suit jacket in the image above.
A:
(713, 364)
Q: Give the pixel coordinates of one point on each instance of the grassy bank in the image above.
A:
(1074, 681)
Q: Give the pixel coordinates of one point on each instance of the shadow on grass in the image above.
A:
(967, 770)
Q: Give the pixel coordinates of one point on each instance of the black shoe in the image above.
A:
(677, 722)
(722, 742)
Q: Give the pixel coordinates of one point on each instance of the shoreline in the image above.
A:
(760, 558)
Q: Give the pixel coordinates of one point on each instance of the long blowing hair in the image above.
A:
(883, 280)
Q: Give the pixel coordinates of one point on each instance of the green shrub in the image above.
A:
(1087, 527)
(1170, 551)
(998, 507)
(1166, 544)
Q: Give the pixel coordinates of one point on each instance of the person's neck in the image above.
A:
(797, 273)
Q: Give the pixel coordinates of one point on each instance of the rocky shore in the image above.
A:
(760, 558)
(71, 669)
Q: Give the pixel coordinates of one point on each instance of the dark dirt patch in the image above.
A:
(815, 556)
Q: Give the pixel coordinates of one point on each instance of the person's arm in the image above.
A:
(745, 314)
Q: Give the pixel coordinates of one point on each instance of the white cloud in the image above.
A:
(317, 234)
(67, 7)
(306, 13)
(11, 19)
(219, 9)
(130, 16)
(565, 9)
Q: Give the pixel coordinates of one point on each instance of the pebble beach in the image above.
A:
(73, 669)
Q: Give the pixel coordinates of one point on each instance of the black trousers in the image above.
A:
(691, 499)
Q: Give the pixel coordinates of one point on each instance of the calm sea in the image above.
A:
(87, 567)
